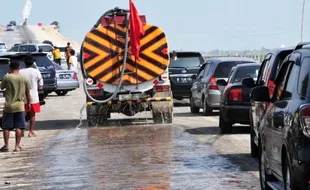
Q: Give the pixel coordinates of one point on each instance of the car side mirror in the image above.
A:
(194, 77)
(260, 94)
(248, 82)
(221, 82)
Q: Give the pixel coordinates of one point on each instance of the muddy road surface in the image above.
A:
(132, 153)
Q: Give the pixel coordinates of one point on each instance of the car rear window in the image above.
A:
(246, 72)
(62, 49)
(186, 60)
(2, 46)
(43, 61)
(223, 69)
(45, 48)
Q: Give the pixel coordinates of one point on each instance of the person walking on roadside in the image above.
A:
(57, 55)
(68, 54)
(17, 91)
(35, 78)
(73, 61)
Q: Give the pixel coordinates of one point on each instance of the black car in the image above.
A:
(266, 76)
(284, 132)
(181, 68)
(4, 69)
(235, 99)
(45, 66)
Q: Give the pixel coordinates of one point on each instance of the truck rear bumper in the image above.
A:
(142, 100)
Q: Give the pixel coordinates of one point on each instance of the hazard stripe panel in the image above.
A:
(103, 51)
(167, 99)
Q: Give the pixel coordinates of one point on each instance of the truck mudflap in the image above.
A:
(142, 100)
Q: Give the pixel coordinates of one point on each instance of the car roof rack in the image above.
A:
(301, 45)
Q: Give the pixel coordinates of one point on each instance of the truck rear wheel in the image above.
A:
(165, 117)
(94, 119)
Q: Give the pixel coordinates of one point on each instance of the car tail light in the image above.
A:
(235, 95)
(304, 116)
(212, 84)
(162, 88)
(95, 92)
(40, 88)
(75, 76)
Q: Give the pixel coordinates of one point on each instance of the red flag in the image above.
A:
(136, 30)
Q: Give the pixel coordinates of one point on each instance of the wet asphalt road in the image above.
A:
(129, 154)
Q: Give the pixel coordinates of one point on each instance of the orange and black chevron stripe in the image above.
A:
(103, 50)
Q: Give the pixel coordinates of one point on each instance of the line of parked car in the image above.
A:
(273, 97)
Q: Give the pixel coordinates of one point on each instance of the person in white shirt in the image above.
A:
(35, 78)
(73, 61)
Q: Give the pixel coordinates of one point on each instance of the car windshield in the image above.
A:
(223, 69)
(185, 62)
(46, 48)
(246, 72)
(4, 68)
(44, 61)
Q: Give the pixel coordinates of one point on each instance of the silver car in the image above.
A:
(66, 80)
(205, 91)
(3, 47)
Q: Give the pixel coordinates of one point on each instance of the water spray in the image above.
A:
(26, 11)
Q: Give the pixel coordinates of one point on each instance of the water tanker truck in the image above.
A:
(115, 80)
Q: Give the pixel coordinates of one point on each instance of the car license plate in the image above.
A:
(183, 80)
(66, 76)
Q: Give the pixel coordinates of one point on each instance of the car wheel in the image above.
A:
(254, 148)
(263, 175)
(62, 92)
(287, 174)
(206, 109)
(194, 109)
(226, 128)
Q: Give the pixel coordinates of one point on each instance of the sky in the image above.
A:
(198, 25)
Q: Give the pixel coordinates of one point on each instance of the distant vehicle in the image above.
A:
(266, 77)
(3, 47)
(181, 68)
(13, 23)
(32, 47)
(205, 93)
(66, 80)
(284, 130)
(9, 27)
(235, 99)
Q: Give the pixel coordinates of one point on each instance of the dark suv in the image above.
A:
(266, 76)
(284, 132)
(181, 68)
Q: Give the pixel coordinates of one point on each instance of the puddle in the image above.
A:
(140, 157)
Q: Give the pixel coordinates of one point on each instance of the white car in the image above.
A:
(3, 47)
(32, 47)
(9, 27)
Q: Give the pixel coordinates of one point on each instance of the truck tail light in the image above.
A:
(162, 88)
(212, 84)
(304, 116)
(235, 95)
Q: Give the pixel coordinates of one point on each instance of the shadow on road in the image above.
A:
(189, 114)
(244, 160)
(69, 124)
(214, 130)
